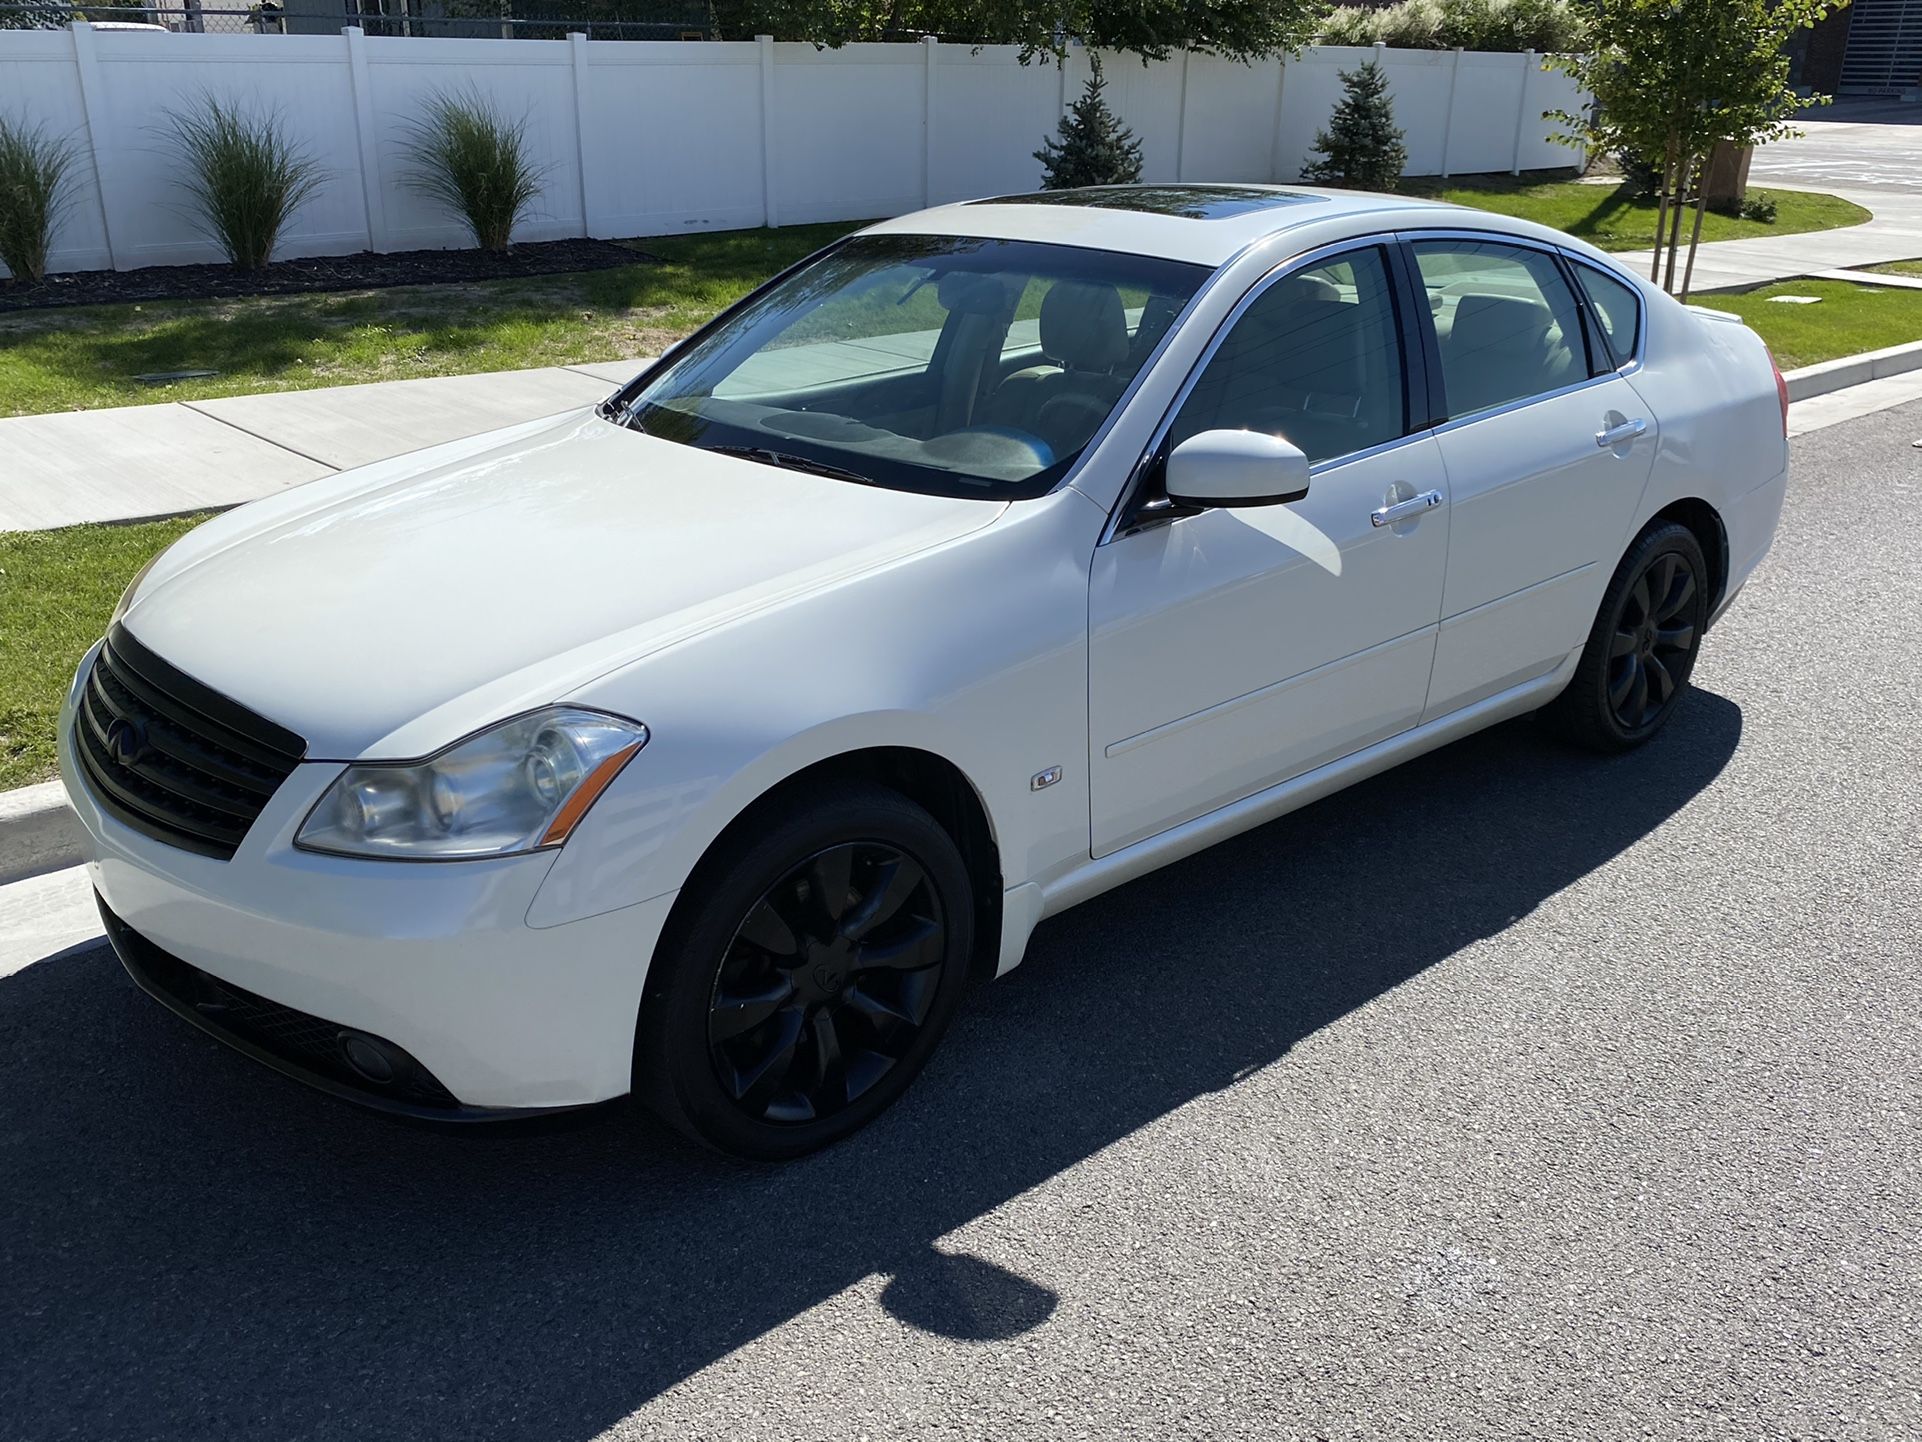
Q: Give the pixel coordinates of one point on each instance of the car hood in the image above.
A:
(382, 614)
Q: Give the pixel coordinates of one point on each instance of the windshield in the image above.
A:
(945, 364)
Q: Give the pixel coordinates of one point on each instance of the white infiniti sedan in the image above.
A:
(707, 744)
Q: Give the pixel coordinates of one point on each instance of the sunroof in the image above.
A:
(1190, 202)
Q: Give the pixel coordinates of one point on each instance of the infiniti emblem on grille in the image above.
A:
(126, 741)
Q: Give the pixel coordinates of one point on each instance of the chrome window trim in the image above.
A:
(1580, 297)
(1455, 423)
(1616, 272)
(1568, 255)
(1281, 270)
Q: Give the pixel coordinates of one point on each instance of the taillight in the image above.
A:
(1781, 393)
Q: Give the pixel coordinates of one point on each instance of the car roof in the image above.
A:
(1202, 224)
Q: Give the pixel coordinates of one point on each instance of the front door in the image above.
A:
(1231, 649)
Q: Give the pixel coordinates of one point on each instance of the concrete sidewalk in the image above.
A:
(1895, 233)
(133, 461)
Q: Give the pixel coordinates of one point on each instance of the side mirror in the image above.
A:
(1236, 468)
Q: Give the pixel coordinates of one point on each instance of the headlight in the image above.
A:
(519, 787)
(126, 596)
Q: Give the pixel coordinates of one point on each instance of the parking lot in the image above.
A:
(1512, 1093)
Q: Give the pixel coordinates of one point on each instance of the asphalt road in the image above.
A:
(1516, 1093)
(1850, 145)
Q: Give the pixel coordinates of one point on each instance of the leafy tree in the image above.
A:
(1362, 147)
(1094, 147)
(1673, 78)
(1152, 29)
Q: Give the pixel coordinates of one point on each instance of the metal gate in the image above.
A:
(1884, 55)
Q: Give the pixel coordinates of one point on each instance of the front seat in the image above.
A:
(1084, 335)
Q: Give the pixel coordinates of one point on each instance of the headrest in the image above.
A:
(971, 292)
(1083, 327)
(1298, 288)
(1498, 322)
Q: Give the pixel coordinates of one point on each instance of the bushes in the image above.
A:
(473, 160)
(1512, 25)
(245, 176)
(1411, 25)
(34, 169)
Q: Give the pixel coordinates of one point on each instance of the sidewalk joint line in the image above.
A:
(195, 407)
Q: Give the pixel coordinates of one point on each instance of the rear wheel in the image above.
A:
(808, 978)
(1641, 652)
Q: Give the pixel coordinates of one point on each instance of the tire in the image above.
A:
(774, 1024)
(1641, 652)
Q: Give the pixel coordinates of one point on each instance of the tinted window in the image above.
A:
(1315, 359)
(952, 364)
(1615, 305)
(1506, 321)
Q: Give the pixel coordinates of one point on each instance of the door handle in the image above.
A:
(1406, 510)
(1619, 435)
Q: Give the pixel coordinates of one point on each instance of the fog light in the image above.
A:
(371, 1058)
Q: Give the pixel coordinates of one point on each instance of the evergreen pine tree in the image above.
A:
(1362, 148)
(1095, 148)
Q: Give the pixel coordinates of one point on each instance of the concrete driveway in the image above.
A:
(1515, 1093)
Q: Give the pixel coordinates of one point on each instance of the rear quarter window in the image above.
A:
(1616, 308)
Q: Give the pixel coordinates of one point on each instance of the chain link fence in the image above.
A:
(516, 20)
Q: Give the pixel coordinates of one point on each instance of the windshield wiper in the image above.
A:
(620, 415)
(788, 461)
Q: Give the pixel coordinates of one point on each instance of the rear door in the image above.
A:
(1547, 449)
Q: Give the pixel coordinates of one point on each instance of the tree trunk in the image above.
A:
(1661, 208)
(1695, 238)
(1682, 177)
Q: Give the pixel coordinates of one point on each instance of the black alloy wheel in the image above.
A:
(1635, 667)
(1653, 643)
(810, 967)
(827, 983)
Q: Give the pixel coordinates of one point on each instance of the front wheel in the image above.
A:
(1642, 649)
(806, 978)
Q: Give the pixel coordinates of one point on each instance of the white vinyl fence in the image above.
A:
(657, 138)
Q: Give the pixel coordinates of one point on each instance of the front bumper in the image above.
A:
(309, 1049)
(433, 958)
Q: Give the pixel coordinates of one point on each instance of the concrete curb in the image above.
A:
(1853, 370)
(38, 832)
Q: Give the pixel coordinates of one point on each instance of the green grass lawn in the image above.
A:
(1606, 217)
(86, 356)
(1898, 267)
(1849, 320)
(57, 590)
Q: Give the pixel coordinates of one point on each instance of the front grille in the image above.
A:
(306, 1046)
(172, 758)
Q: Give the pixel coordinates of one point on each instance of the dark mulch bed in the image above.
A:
(365, 271)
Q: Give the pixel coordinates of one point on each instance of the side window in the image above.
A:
(1316, 359)
(1506, 321)
(1615, 307)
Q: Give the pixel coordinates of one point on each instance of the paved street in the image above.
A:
(1514, 1093)
(1853, 144)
